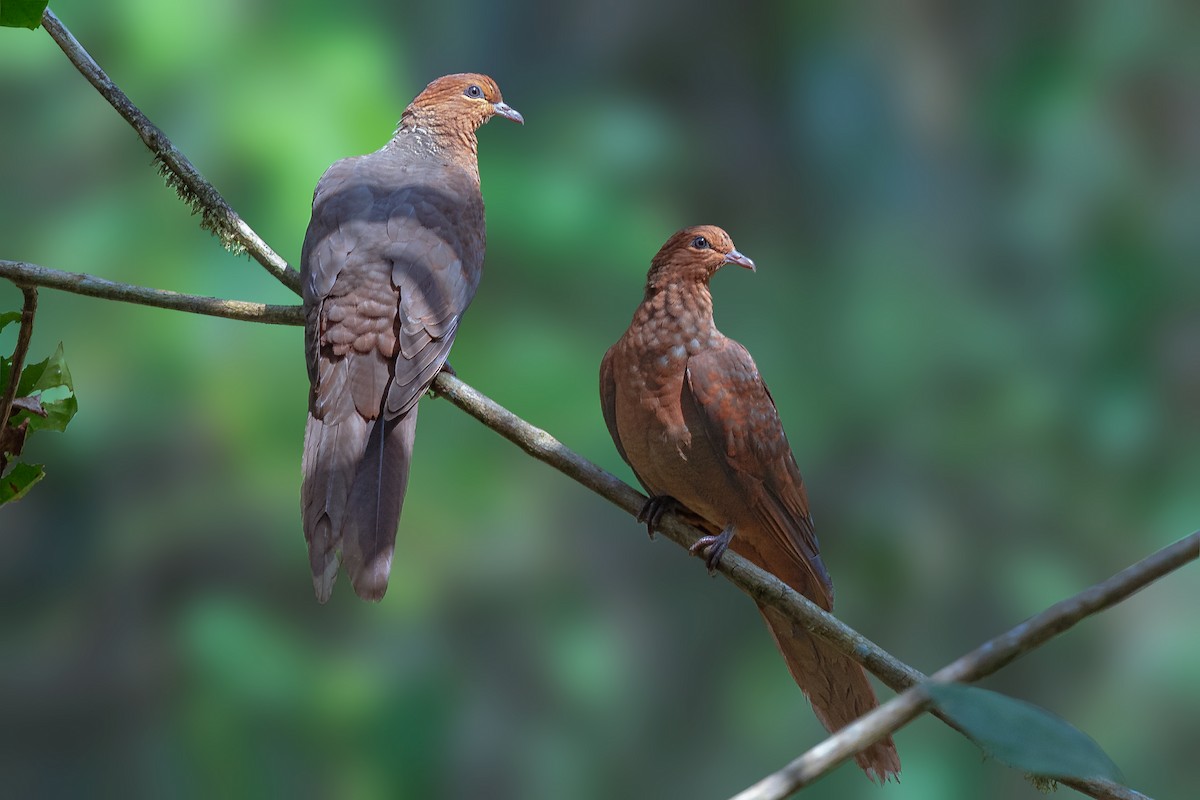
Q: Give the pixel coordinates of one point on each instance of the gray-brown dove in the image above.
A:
(391, 260)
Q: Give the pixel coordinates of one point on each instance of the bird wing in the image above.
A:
(608, 405)
(436, 235)
(724, 392)
(608, 400)
(392, 259)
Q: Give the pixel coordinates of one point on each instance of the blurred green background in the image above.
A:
(977, 306)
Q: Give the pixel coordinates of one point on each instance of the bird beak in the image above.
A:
(508, 112)
(734, 257)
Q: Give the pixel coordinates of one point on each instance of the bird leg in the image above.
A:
(652, 512)
(711, 548)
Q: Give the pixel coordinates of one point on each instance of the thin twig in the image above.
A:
(28, 310)
(983, 661)
(218, 216)
(21, 272)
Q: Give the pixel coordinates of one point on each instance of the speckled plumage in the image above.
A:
(390, 262)
(688, 411)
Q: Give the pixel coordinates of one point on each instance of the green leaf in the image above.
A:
(31, 375)
(45, 374)
(34, 412)
(19, 480)
(6, 319)
(1021, 734)
(57, 373)
(22, 13)
(58, 415)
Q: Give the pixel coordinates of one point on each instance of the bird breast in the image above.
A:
(650, 368)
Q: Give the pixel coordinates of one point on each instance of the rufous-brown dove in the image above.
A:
(391, 260)
(688, 411)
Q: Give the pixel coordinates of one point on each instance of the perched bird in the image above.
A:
(391, 260)
(688, 411)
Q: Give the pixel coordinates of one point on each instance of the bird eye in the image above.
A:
(473, 91)
(700, 243)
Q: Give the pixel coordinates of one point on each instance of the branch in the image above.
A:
(218, 216)
(14, 376)
(751, 579)
(23, 274)
(982, 661)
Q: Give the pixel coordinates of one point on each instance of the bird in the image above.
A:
(688, 411)
(391, 259)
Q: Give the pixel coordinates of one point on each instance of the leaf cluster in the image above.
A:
(44, 401)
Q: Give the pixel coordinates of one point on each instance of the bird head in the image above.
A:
(468, 98)
(695, 254)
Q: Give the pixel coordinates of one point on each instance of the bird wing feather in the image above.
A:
(608, 406)
(608, 400)
(739, 417)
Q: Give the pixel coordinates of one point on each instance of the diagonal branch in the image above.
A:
(983, 661)
(23, 273)
(218, 216)
(754, 581)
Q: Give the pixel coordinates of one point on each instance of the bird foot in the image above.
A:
(711, 548)
(652, 512)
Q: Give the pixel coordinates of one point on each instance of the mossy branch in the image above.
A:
(217, 216)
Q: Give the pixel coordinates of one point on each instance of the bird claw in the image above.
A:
(654, 509)
(711, 548)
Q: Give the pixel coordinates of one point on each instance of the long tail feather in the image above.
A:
(376, 498)
(355, 476)
(331, 450)
(836, 686)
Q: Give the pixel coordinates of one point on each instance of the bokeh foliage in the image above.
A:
(977, 306)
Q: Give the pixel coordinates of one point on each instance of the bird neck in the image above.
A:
(682, 309)
(450, 137)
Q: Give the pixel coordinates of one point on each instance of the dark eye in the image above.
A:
(473, 91)
(700, 243)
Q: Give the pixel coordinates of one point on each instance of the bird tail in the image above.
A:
(355, 476)
(836, 686)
